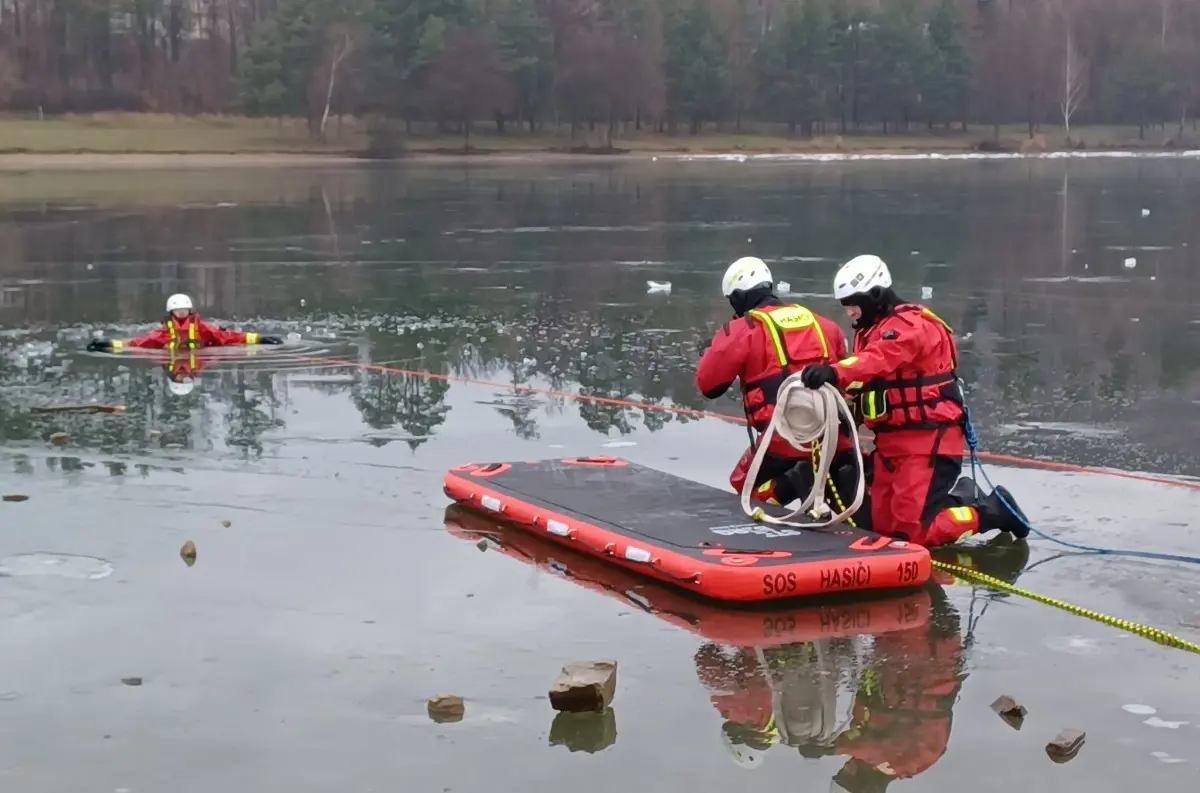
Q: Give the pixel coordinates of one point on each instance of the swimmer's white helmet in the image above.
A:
(745, 756)
(176, 302)
(860, 275)
(745, 274)
(180, 389)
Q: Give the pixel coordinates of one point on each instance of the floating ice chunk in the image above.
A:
(1130, 263)
(1166, 758)
(783, 287)
(926, 292)
(1139, 710)
(659, 287)
(1145, 212)
(1155, 721)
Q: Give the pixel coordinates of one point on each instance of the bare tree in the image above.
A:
(342, 47)
(1074, 70)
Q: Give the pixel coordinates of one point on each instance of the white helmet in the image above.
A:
(859, 275)
(180, 389)
(745, 274)
(176, 302)
(745, 756)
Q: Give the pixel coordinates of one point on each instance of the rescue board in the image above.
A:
(682, 532)
(747, 626)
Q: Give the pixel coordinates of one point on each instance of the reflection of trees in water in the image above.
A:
(243, 401)
(252, 409)
(386, 400)
(386, 254)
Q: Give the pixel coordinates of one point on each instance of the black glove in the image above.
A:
(816, 376)
(270, 340)
(99, 345)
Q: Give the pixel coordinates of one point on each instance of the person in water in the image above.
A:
(901, 377)
(182, 329)
(765, 342)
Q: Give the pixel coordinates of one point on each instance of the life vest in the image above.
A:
(793, 327)
(189, 337)
(911, 397)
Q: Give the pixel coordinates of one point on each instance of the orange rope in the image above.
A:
(709, 414)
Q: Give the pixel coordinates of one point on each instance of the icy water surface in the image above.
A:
(333, 593)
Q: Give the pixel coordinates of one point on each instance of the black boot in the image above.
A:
(1000, 511)
(966, 492)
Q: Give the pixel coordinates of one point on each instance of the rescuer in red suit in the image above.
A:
(765, 342)
(183, 329)
(901, 377)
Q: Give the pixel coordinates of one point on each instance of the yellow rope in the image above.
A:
(1145, 631)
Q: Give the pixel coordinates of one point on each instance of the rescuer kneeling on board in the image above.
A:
(901, 377)
(766, 342)
(182, 329)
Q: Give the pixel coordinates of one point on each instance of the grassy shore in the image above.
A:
(150, 139)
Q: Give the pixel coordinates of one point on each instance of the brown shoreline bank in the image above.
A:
(26, 162)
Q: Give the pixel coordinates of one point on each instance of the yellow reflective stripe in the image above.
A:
(962, 514)
(931, 315)
(786, 319)
(821, 338)
(116, 345)
(252, 338)
(791, 317)
(776, 342)
(853, 359)
(770, 729)
(953, 353)
(874, 404)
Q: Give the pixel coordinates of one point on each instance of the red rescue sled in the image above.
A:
(682, 532)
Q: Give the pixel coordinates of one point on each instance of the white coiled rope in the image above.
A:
(801, 417)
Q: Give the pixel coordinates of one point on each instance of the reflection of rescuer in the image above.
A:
(901, 378)
(778, 695)
(893, 722)
(182, 329)
(182, 370)
(766, 342)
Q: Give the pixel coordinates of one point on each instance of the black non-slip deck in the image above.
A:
(670, 512)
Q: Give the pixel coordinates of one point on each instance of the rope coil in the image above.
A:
(802, 417)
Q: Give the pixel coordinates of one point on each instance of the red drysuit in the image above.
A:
(762, 349)
(190, 333)
(902, 378)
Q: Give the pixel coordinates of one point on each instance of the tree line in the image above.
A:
(816, 66)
